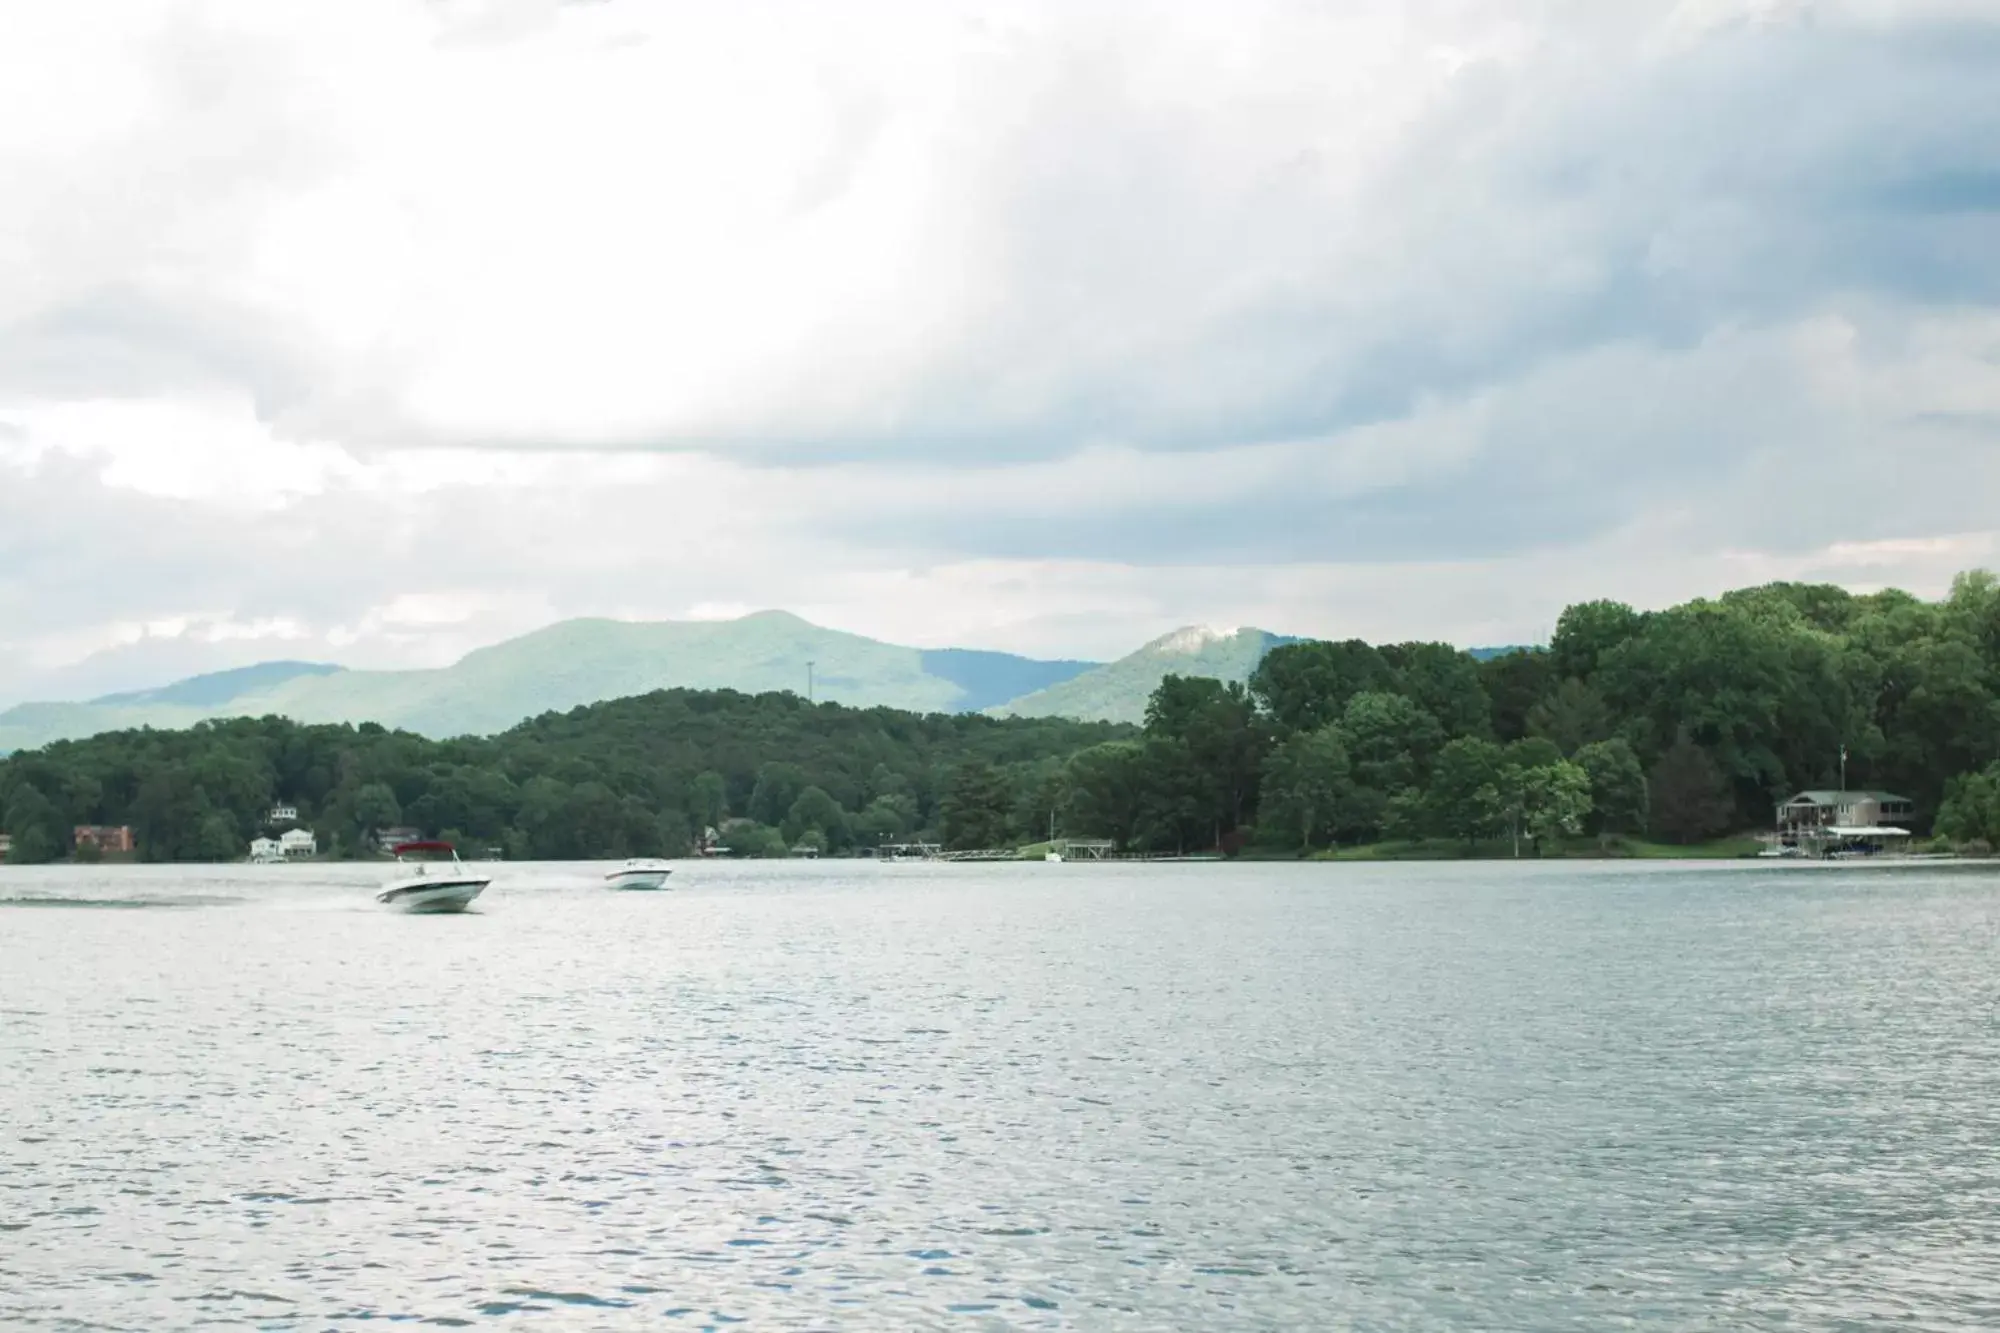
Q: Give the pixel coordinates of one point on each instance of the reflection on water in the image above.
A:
(866, 1096)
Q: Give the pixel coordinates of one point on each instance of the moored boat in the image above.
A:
(640, 873)
(449, 889)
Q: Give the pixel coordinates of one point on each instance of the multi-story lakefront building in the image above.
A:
(1819, 823)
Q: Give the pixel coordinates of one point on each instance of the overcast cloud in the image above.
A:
(373, 332)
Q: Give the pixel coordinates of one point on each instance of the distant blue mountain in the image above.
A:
(992, 679)
(219, 687)
(1488, 654)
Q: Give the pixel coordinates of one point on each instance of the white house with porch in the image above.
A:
(296, 844)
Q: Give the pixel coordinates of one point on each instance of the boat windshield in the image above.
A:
(420, 852)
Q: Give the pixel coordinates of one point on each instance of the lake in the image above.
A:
(848, 1095)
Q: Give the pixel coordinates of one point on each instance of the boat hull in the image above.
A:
(638, 879)
(432, 895)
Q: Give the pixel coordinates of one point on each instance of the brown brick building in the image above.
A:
(105, 838)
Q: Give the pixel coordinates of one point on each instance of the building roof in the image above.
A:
(1826, 797)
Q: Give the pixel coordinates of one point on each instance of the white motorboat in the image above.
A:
(640, 873)
(431, 886)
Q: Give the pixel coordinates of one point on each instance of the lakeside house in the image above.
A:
(1827, 823)
(282, 814)
(6, 845)
(391, 837)
(295, 844)
(116, 840)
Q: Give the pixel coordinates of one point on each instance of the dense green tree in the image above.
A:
(888, 818)
(1689, 795)
(593, 823)
(1444, 682)
(974, 812)
(218, 840)
(1534, 752)
(1970, 813)
(376, 808)
(34, 824)
(1572, 716)
(1587, 633)
(1212, 731)
(1390, 745)
(1466, 797)
(1043, 796)
(1109, 787)
(1552, 801)
(1618, 797)
(1818, 605)
(816, 812)
(1514, 683)
(746, 839)
(1305, 781)
(1306, 686)
(1762, 696)
(708, 799)
(1178, 814)
(778, 786)
(168, 814)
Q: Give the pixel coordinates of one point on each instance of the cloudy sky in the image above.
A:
(376, 331)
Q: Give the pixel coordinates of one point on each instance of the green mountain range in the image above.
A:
(589, 661)
(578, 662)
(565, 665)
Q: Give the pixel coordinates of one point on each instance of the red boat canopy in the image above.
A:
(402, 847)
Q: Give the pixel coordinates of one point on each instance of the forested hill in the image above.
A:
(637, 776)
(1682, 723)
(1679, 724)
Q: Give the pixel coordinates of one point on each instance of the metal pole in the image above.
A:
(809, 681)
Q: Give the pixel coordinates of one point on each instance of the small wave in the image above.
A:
(566, 1297)
(45, 900)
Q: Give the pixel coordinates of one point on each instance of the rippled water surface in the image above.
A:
(859, 1096)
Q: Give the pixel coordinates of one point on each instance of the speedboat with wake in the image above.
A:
(640, 873)
(431, 886)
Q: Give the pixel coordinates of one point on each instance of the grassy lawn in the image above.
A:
(1637, 849)
(1500, 849)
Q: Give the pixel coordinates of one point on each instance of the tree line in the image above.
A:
(1679, 725)
(644, 776)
